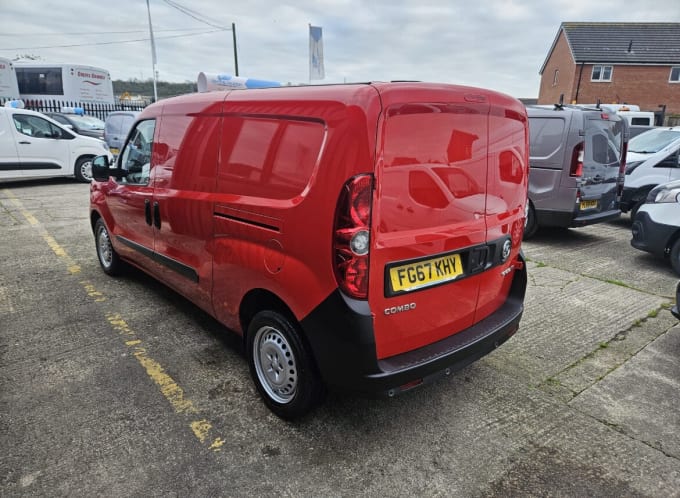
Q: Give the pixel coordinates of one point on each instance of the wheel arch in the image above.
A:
(94, 216)
(257, 300)
(671, 242)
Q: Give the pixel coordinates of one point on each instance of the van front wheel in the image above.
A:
(83, 169)
(281, 366)
(675, 256)
(107, 255)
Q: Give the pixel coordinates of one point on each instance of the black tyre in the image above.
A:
(281, 366)
(635, 209)
(107, 255)
(83, 170)
(531, 224)
(675, 256)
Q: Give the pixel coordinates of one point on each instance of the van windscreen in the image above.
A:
(652, 141)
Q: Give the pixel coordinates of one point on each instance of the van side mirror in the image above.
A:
(101, 169)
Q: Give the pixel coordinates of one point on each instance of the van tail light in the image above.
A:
(624, 156)
(577, 161)
(351, 236)
(622, 171)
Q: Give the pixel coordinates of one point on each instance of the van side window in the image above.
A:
(136, 157)
(36, 127)
(545, 136)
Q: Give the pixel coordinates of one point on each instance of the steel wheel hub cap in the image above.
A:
(105, 251)
(275, 365)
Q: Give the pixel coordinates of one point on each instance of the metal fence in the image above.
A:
(97, 110)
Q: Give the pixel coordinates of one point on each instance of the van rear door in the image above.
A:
(428, 215)
(605, 136)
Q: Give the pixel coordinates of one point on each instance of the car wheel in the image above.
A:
(531, 224)
(281, 366)
(108, 257)
(636, 208)
(675, 256)
(83, 169)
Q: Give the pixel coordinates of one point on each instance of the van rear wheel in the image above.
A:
(531, 224)
(281, 366)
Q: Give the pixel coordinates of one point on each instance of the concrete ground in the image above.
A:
(119, 387)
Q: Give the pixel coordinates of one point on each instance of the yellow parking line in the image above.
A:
(169, 388)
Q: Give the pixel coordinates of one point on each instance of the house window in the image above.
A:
(556, 77)
(601, 73)
(675, 75)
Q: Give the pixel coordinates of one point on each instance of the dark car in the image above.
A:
(676, 309)
(80, 123)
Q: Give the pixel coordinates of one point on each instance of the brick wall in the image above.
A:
(646, 86)
(560, 60)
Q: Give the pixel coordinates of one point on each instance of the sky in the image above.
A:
(495, 44)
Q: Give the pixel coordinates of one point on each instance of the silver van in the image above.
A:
(577, 163)
(116, 128)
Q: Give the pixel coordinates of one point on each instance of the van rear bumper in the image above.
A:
(570, 219)
(343, 345)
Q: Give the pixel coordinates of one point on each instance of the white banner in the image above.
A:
(316, 71)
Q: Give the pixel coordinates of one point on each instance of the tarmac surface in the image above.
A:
(119, 387)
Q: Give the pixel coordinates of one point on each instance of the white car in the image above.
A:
(653, 159)
(656, 226)
(35, 146)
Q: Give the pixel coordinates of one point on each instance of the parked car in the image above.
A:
(33, 145)
(88, 126)
(653, 159)
(656, 226)
(116, 128)
(326, 226)
(577, 156)
(676, 309)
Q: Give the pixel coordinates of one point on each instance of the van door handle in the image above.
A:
(147, 211)
(24, 142)
(156, 215)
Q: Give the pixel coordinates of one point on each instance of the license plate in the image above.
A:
(114, 151)
(425, 273)
(588, 205)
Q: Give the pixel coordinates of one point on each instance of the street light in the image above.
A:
(153, 54)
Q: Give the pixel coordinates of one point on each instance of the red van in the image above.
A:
(362, 237)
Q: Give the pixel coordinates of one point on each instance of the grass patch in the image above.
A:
(619, 283)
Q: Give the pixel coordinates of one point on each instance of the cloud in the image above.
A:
(499, 44)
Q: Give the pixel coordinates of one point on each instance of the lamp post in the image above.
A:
(153, 54)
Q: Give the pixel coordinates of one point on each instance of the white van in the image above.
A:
(35, 146)
(653, 159)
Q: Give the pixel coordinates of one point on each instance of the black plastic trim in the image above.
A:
(184, 270)
(343, 344)
(28, 166)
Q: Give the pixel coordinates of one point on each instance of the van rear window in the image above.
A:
(604, 140)
(268, 157)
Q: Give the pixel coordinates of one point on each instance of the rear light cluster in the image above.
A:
(577, 160)
(352, 236)
(622, 171)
